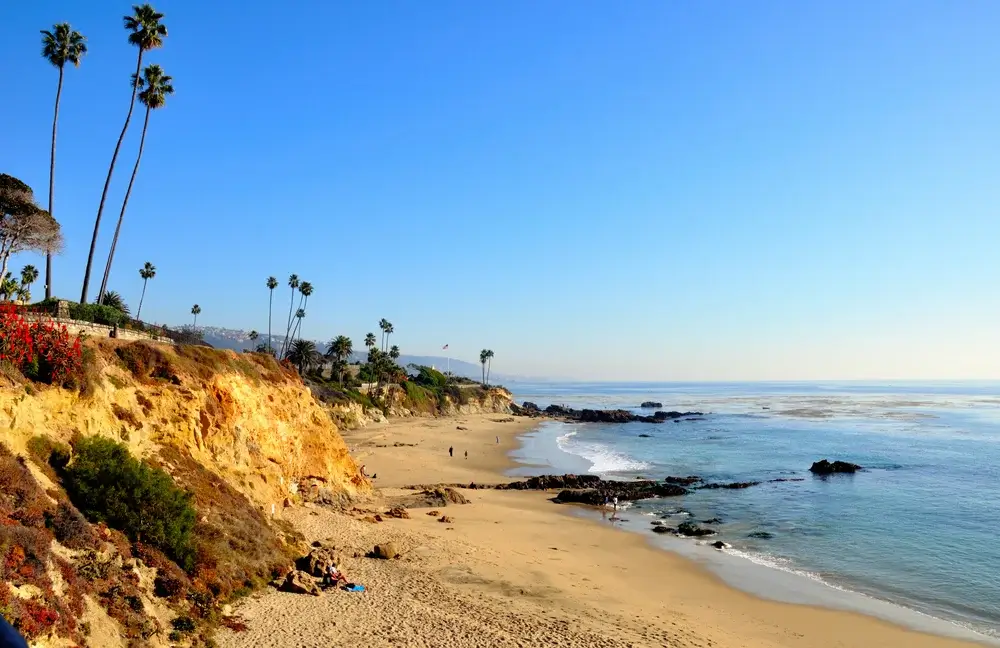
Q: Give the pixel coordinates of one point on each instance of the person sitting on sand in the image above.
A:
(333, 576)
(451, 451)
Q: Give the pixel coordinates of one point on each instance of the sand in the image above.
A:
(513, 569)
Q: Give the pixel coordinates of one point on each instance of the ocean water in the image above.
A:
(917, 529)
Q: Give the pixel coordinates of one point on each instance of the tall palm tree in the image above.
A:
(147, 272)
(299, 314)
(383, 324)
(489, 365)
(29, 275)
(293, 283)
(147, 32)
(305, 289)
(60, 46)
(483, 357)
(253, 335)
(155, 88)
(370, 340)
(394, 352)
(272, 283)
(388, 331)
(303, 354)
(195, 310)
(340, 350)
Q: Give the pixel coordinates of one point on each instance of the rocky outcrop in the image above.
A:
(597, 416)
(824, 467)
(549, 482)
(318, 558)
(386, 551)
(731, 485)
(651, 405)
(682, 481)
(429, 497)
(299, 582)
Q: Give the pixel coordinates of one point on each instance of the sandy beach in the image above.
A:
(513, 569)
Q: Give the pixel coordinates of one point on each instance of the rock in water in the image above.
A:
(651, 404)
(693, 530)
(719, 544)
(299, 582)
(763, 535)
(386, 551)
(824, 467)
(663, 529)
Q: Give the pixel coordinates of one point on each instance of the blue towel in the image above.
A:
(354, 587)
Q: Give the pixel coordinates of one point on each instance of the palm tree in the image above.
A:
(293, 283)
(388, 331)
(60, 46)
(29, 275)
(23, 294)
(370, 340)
(305, 289)
(147, 272)
(156, 87)
(147, 33)
(299, 314)
(383, 324)
(489, 365)
(8, 287)
(253, 335)
(340, 350)
(196, 311)
(484, 355)
(303, 354)
(272, 283)
(114, 300)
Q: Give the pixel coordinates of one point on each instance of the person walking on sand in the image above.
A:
(451, 451)
(466, 454)
(498, 440)
(614, 501)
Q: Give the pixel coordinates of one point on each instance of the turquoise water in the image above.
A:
(917, 528)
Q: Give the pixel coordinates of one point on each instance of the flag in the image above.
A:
(444, 347)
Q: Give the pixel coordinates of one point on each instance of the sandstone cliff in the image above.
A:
(242, 416)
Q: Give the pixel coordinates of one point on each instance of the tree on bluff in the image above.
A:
(24, 226)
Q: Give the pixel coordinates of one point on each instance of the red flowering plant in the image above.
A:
(41, 350)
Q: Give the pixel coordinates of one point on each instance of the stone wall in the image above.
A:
(76, 327)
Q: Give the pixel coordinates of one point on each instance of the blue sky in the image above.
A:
(641, 190)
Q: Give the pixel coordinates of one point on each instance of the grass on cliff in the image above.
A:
(150, 363)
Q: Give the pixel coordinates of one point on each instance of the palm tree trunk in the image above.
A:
(488, 367)
(52, 183)
(195, 321)
(288, 326)
(107, 183)
(139, 312)
(121, 216)
(484, 374)
(270, 302)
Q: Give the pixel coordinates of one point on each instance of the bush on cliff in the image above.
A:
(109, 485)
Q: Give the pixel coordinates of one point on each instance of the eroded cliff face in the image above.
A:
(242, 416)
(493, 400)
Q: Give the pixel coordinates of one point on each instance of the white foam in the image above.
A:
(601, 457)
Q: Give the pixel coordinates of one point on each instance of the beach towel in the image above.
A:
(354, 587)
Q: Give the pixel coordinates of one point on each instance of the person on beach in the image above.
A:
(333, 576)
(614, 502)
(466, 454)
(498, 440)
(451, 451)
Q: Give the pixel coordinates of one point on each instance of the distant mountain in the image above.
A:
(237, 340)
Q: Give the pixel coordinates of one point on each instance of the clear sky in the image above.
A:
(602, 190)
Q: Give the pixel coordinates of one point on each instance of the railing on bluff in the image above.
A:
(101, 320)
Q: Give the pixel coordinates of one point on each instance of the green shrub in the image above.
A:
(97, 313)
(109, 485)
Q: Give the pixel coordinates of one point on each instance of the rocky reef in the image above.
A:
(825, 467)
(651, 405)
(598, 416)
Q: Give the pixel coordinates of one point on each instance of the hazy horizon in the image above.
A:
(641, 191)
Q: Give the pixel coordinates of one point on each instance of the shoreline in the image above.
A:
(520, 574)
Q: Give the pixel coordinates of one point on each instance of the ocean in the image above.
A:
(912, 538)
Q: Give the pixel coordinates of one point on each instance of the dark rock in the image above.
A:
(719, 544)
(386, 551)
(714, 520)
(644, 436)
(763, 535)
(599, 416)
(664, 529)
(731, 486)
(651, 404)
(824, 467)
(398, 512)
(682, 481)
(625, 491)
(299, 582)
(691, 529)
(546, 482)
(445, 519)
(787, 479)
(656, 522)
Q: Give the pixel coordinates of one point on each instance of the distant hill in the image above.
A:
(237, 340)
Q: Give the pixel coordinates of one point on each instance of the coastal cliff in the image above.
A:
(136, 504)
(243, 416)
